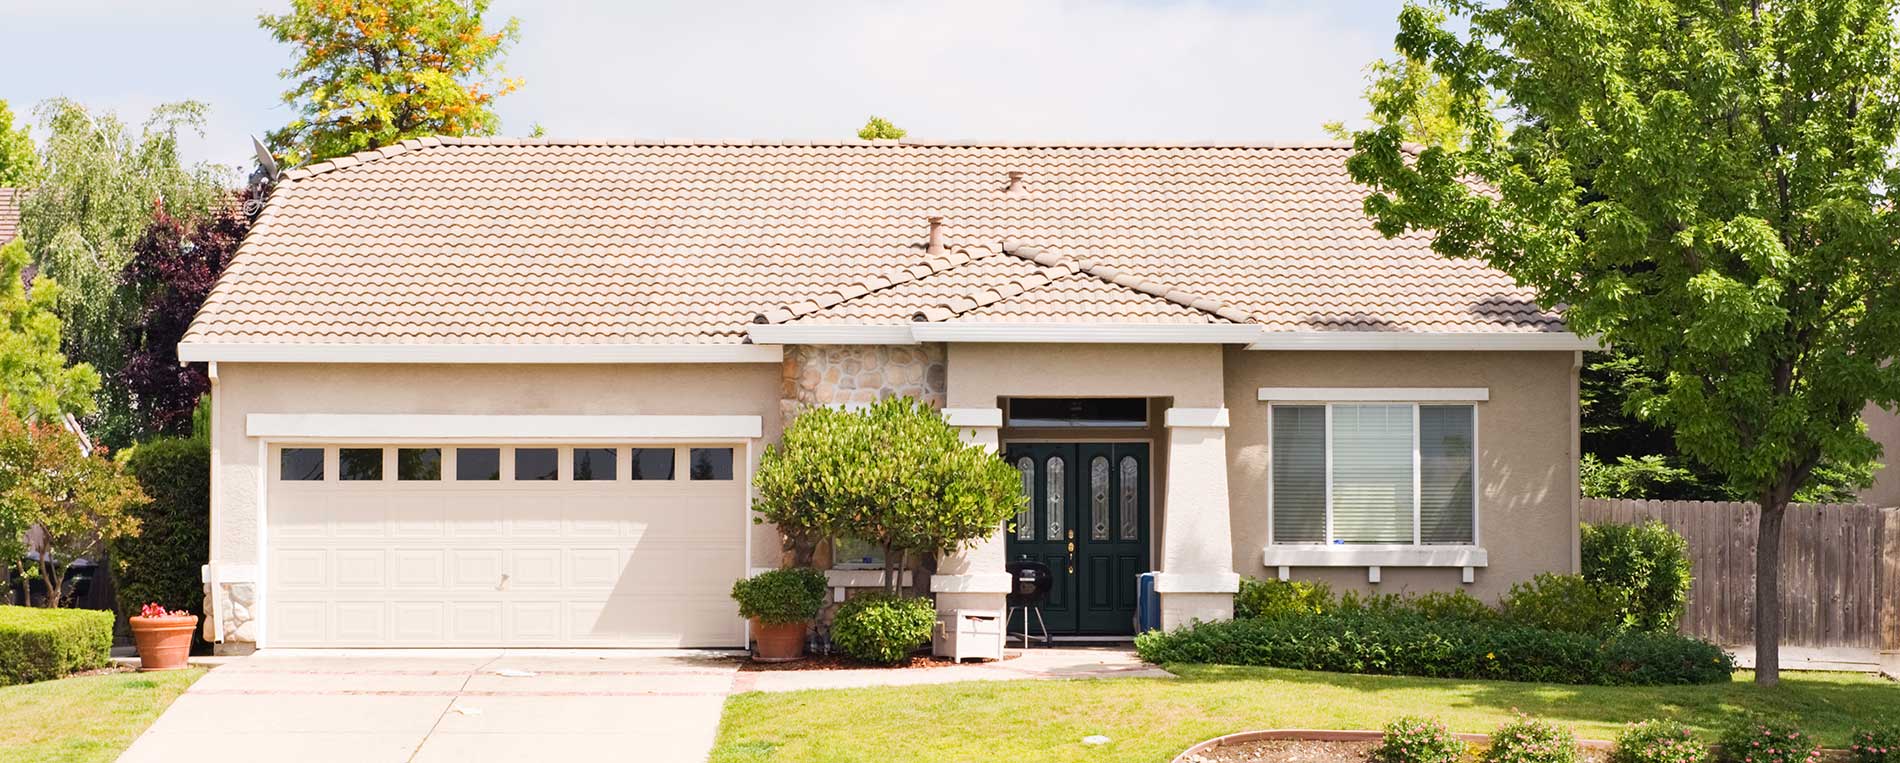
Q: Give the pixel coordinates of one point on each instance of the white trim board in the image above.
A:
(1375, 394)
(189, 352)
(1316, 555)
(450, 427)
(1403, 341)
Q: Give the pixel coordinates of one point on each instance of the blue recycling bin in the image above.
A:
(1147, 603)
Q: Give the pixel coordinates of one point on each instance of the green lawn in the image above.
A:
(1153, 719)
(86, 718)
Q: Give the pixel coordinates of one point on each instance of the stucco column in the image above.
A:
(1197, 579)
(974, 578)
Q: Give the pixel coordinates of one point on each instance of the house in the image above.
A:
(509, 392)
(9, 215)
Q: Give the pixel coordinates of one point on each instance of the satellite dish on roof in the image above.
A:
(264, 159)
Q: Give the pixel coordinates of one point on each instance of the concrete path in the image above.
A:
(469, 706)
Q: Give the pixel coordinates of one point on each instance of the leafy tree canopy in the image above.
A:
(370, 73)
(80, 502)
(1426, 117)
(34, 377)
(879, 128)
(173, 268)
(19, 163)
(82, 222)
(1703, 183)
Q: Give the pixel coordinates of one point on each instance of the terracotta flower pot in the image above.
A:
(781, 642)
(164, 642)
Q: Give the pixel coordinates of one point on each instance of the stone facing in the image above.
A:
(853, 376)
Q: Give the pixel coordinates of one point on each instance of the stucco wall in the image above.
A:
(980, 373)
(1526, 500)
(1884, 427)
(723, 389)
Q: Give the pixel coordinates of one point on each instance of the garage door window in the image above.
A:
(652, 463)
(537, 464)
(712, 463)
(419, 464)
(301, 464)
(477, 464)
(360, 464)
(594, 464)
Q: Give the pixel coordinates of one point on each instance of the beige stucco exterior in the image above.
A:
(1884, 427)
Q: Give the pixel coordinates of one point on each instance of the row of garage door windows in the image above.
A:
(484, 464)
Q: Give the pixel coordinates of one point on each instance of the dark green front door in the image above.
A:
(1087, 520)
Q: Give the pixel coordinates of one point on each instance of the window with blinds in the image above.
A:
(1374, 473)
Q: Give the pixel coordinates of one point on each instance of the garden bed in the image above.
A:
(1318, 746)
(840, 662)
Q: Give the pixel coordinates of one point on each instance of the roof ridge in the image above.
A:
(930, 266)
(990, 295)
(368, 155)
(1146, 286)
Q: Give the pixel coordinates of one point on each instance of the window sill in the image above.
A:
(849, 578)
(1285, 557)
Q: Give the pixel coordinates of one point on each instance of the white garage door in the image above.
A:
(485, 545)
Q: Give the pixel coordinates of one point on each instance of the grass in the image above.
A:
(84, 718)
(1153, 719)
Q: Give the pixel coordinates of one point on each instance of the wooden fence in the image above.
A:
(1840, 571)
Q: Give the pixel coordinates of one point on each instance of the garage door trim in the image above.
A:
(408, 427)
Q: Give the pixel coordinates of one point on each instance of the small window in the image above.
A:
(537, 464)
(854, 554)
(653, 463)
(594, 464)
(359, 464)
(301, 464)
(1067, 412)
(477, 463)
(419, 464)
(712, 463)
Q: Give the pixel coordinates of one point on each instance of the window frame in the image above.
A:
(1332, 541)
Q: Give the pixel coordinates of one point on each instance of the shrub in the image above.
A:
(1644, 567)
(1530, 740)
(790, 595)
(1766, 740)
(44, 644)
(1561, 603)
(1657, 741)
(1453, 605)
(1412, 739)
(1410, 644)
(881, 628)
(161, 564)
(1880, 744)
(1271, 597)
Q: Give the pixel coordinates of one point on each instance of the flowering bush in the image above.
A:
(1530, 740)
(1879, 744)
(1655, 741)
(1412, 739)
(1767, 741)
(158, 610)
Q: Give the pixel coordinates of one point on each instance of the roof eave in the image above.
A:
(258, 352)
(1521, 341)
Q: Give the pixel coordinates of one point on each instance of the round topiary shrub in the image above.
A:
(777, 597)
(1658, 741)
(1412, 739)
(1531, 740)
(1764, 740)
(882, 629)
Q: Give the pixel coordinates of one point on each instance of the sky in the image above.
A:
(1031, 70)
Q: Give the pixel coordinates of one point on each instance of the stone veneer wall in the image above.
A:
(857, 375)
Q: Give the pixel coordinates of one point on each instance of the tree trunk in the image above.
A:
(920, 578)
(803, 550)
(1768, 589)
(890, 571)
(55, 578)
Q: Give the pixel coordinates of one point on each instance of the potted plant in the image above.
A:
(781, 605)
(163, 637)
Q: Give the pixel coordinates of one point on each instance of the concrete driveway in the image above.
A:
(371, 706)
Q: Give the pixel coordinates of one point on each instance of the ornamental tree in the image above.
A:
(34, 377)
(173, 267)
(1705, 184)
(370, 73)
(19, 162)
(816, 474)
(879, 128)
(75, 502)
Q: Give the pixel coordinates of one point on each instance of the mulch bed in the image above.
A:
(837, 662)
(1302, 751)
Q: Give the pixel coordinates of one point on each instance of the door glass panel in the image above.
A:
(477, 464)
(652, 463)
(712, 463)
(1131, 501)
(418, 464)
(1026, 518)
(301, 464)
(1098, 498)
(594, 464)
(1056, 484)
(360, 463)
(537, 464)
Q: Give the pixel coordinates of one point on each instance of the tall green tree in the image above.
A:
(35, 380)
(1426, 118)
(370, 73)
(81, 224)
(19, 163)
(1706, 184)
(879, 128)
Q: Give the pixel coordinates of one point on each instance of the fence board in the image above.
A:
(1840, 564)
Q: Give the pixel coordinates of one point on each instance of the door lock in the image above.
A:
(1071, 548)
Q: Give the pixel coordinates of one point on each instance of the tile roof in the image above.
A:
(497, 241)
(9, 214)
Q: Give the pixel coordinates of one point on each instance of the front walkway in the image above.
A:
(371, 706)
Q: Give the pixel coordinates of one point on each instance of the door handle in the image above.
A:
(1071, 548)
(503, 585)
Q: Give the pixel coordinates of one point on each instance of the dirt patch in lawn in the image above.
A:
(838, 662)
(1306, 751)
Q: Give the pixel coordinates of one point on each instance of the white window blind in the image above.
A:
(1447, 461)
(1299, 473)
(1374, 473)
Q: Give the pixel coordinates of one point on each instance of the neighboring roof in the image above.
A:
(9, 214)
(508, 241)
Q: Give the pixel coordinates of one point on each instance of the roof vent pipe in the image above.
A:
(1016, 187)
(936, 236)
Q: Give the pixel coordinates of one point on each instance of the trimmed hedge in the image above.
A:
(882, 629)
(1644, 567)
(43, 644)
(777, 597)
(1409, 644)
(161, 564)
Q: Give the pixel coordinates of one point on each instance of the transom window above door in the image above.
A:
(1073, 412)
(1374, 473)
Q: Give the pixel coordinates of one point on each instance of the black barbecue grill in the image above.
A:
(1028, 591)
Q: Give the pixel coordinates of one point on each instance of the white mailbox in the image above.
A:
(966, 633)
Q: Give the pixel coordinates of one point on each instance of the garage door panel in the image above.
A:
(534, 568)
(419, 622)
(475, 569)
(360, 622)
(476, 623)
(358, 568)
(595, 568)
(534, 621)
(475, 519)
(417, 516)
(419, 569)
